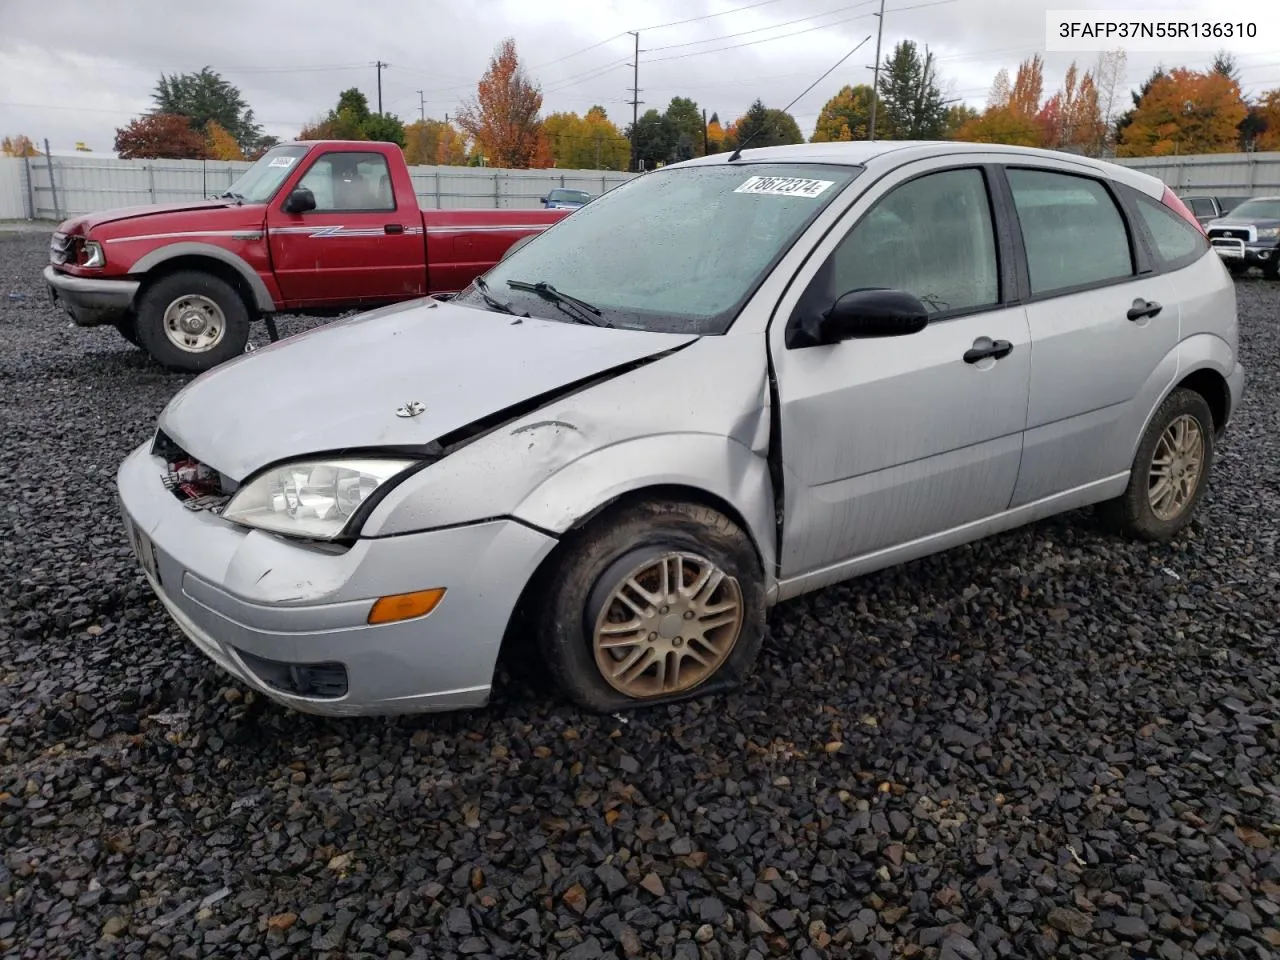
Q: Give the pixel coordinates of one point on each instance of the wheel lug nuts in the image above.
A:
(663, 610)
(653, 637)
(688, 614)
(678, 641)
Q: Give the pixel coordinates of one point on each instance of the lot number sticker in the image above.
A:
(785, 186)
(281, 162)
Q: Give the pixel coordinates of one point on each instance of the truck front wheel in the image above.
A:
(191, 321)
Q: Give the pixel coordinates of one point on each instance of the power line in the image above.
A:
(773, 26)
(752, 43)
(709, 16)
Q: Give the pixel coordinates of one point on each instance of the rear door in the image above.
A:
(891, 441)
(361, 245)
(1105, 322)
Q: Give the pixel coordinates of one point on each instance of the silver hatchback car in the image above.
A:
(718, 386)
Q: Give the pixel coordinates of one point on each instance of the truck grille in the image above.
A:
(1231, 233)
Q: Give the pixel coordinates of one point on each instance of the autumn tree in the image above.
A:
(160, 136)
(958, 114)
(911, 106)
(18, 146)
(433, 142)
(1000, 90)
(846, 116)
(1002, 125)
(205, 98)
(1268, 108)
(715, 134)
(1185, 112)
(1013, 113)
(221, 145)
(1028, 87)
(503, 116)
(1123, 120)
(1072, 118)
(591, 142)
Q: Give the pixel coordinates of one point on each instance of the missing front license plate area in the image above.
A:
(143, 550)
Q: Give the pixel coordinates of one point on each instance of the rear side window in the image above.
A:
(1202, 207)
(1072, 229)
(1177, 242)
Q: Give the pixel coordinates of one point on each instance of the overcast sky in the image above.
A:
(72, 71)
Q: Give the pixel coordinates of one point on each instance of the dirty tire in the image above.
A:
(1271, 270)
(151, 324)
(1237, 269)
(1131, 514)
(128, 328)
(597, 559)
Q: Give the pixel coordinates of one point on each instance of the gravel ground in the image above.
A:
(1053, 743)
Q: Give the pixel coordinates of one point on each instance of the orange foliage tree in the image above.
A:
(1185, 111)
(1269, 110)
(434, 142)
(846, 116)
(19, 146)
(1072, 117)
(503, 116)
(221, 144)
(715, 134)
(160, 136)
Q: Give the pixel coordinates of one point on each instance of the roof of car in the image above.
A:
(895, 152)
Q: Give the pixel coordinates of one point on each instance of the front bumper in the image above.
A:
(269, 611)
(1250, 254)
(91, 301)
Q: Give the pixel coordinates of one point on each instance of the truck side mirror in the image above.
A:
(300, 200)
(544, 200)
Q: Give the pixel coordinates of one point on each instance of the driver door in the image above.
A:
(891, 441)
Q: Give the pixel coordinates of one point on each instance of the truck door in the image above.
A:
(362, 244)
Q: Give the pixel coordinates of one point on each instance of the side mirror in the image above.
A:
(300, 200)
(874, 312)
(544, 200)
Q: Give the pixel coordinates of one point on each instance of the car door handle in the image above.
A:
(1143, 308)
(393, 228)
(985, 347)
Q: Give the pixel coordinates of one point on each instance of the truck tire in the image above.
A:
(128, 328)
(191, 321)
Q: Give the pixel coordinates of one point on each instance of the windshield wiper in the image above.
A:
(551, 294)
(238, 197)
(493, 301)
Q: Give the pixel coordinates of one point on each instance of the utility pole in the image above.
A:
(635, 99)
(381, 66)
(875, 83)
(704, 132)
(422, 106)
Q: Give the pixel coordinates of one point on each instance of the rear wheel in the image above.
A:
(191, 321)
(1169, 473)
(1271, 270)
(658, 602)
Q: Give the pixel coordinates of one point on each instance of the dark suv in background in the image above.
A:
(1249, 236)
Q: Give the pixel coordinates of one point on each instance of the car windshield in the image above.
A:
(570, 196)
(259, 183)
(1257, 210)
(678, 250)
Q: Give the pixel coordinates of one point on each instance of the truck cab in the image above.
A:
(313, 227)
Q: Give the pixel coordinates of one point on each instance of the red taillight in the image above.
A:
(1174, 203)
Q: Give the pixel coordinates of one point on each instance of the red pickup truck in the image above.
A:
(315, 227)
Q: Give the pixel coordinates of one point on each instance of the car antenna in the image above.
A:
(738, 150)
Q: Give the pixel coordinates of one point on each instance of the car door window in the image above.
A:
(350, 181)
(1177, 243)
(1202, 208)
(931, 237)
(1072, 229)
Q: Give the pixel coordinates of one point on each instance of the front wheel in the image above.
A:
(1271, 269)
(658, 602)
(127, 327)
(1169, 473)
(1237, 268)
(191, 321)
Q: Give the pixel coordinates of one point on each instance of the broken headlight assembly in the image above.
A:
(312, 499)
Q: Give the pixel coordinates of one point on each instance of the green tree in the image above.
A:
(204, 98)
(351, 119)
(764, 127)
(911, 103)
(653, 138)
(846, 116)
(958, 115)
(684, 118)
(384, 128)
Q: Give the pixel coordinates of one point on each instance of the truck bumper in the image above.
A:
(1249, 254)
(91, 302)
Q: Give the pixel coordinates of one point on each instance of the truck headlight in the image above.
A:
(1269, 233)
(93, 255)
(314, 499)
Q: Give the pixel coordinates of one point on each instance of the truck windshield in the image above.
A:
(679, 250)
(1257, 210)
(259, 183)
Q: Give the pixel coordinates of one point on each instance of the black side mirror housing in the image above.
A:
(300, 200)
(862, 314)
(544, 201)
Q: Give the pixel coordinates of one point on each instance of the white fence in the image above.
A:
(76, 185)
(1215, 174)
(84, 184)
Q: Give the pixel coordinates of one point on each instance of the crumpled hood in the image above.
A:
(338, 387)
(83, 224)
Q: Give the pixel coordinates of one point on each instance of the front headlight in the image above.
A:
(1269, 233)
(310, 498)
(93, 255)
